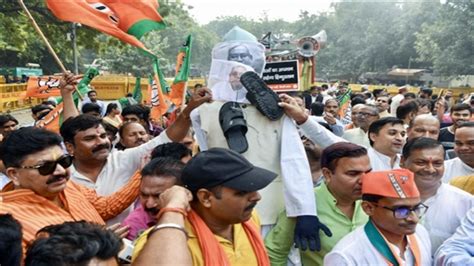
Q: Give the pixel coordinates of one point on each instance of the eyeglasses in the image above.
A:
(235, 56)
(364, 114)
(48, 167)
(402, 212)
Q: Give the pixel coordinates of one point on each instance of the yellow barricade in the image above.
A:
(10, 97)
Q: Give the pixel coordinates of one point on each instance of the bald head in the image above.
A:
(424, 125)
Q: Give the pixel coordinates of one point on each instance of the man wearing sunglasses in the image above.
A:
(447, 204)
(391, 236)
(40, 193)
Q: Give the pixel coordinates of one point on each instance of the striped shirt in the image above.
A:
(77, 203)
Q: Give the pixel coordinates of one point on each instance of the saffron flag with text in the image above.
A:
(42, 87)
(183, 62)
(124, 19)
(53, 120)
(159, 106)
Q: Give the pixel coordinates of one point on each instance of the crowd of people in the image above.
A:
(388, 180)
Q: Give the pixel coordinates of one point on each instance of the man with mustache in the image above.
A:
(337, 200)
(157, 176)
(95, 165)
(391, 237)
(222, 227)
(132, 134)
(447, 205)
(463, 165)
(41, 194)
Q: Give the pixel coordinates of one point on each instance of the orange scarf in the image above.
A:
(213, 253)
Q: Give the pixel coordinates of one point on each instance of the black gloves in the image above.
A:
(307, 232)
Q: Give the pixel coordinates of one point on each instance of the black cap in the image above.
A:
(218, 166)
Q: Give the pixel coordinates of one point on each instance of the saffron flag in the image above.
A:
(53, 120)
(124, 19)
(42, 87)
(183, 63)
(137, 91)
(158, 104)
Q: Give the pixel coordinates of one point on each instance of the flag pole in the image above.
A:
(183, 103)
(48, 45)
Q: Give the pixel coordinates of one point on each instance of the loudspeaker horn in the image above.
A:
(310, 45)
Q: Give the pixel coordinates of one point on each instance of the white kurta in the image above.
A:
(273, 145)
(445, 212)
(381, 162)
(357, 136)
(458, 249)
(454, 168)
(120, 167)
(356, 249)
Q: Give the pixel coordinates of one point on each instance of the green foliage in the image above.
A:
(362, 37)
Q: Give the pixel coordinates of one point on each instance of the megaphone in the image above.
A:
(310, 45)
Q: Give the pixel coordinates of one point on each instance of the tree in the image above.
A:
(448, 42)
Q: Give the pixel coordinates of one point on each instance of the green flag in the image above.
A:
(137, 91)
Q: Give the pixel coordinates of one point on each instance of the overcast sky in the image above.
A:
(206, 10)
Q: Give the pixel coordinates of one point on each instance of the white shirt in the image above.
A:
(100, 103)
(120, 167)
(454, 168)
(395, 103)
(458, 249)
(3, 180)
(357, 136)
(445, 212)
(381, 162)
(356, 249)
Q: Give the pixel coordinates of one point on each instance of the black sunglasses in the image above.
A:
(48, 167)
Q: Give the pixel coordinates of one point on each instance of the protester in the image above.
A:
(392, 236)
(91, 109)
(174, 150)
(313, 153)
(463, 165)
(222, 227)
(132, 134)
(387, 137)
(96, 166)
(157, 176)
(112, 115)
(365, 116)
(425, 158)
(381, 102)
(338, 203)
(424, 106)
(10, 241)
(460, 113)
(39, 111)
(424, 125)
(354, 112)
(331, 107)
(395, 101)
(168, 244)
(406, 112)
(141, 114)
(8, 123)
(79, 243)
(457, 250)
(313, 96)
(41, 194)
(92, 98)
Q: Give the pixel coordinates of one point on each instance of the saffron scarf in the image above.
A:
(212, 252)
(381, 245)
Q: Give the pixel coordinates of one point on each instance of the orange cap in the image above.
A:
(399, 183)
